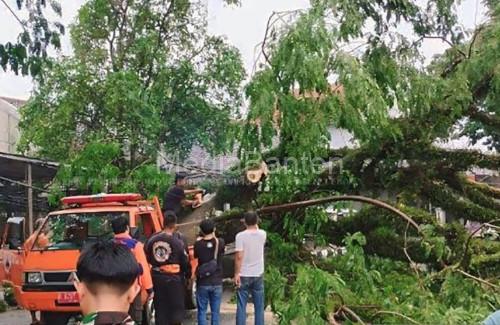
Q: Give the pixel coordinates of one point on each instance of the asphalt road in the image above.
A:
(22, 317)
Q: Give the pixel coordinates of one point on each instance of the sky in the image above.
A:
(244, 27)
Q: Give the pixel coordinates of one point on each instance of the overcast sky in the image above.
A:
(243, 25)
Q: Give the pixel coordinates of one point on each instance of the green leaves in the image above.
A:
(93, 169)
(294, 97)
(30, 51)
(302, 303)
(145, 77)
(363, 108)
(343, 64)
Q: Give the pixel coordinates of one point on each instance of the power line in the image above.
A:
(21, 183)
(14, 14)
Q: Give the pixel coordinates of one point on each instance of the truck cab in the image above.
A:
(42, 269)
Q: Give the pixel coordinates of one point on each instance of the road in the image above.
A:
(228, 314)
(21, 317)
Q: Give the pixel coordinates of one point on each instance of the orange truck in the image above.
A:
(42, 268)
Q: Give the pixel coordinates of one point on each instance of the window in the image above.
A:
(73, 230)
(144, 224)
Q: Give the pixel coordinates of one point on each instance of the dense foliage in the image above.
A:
(346, 64)
(145, 78)
(357, 287)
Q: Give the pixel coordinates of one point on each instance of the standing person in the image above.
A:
(175, 198)
(249, 269)
(209, 251)
(107, 283)
(121, 229)
(166, 253)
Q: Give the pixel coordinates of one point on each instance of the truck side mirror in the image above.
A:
(15, 234)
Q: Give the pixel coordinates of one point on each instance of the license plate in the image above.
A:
(68, 298)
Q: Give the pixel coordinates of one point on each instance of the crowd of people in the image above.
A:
(113, 276)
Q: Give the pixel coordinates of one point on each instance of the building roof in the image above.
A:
(13, 185)
(7, 108)
(14, 166)
(16, 102)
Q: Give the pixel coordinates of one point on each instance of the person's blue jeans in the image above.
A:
(208, 295)
(254, 286)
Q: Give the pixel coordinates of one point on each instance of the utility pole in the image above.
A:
(30, 199)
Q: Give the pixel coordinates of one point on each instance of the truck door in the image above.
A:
(11, 249)
(144, 226)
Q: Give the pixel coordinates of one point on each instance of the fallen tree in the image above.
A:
(321, 68)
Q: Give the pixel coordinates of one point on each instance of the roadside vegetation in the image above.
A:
(146, 80)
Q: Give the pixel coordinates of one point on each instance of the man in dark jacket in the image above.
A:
(209, 285)
(166, 252)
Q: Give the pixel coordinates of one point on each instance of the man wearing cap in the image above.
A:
(209, 251)
(175, 198)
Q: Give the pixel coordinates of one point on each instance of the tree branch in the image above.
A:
(413, 265)
(485, 188)
(159, 42)
(466, 250)
(463, 159)
(444, 40)
(381, 312)
(353, 314)
(474, 37)
(478, 279)
(484, 117)
(441, 195)
(303, 204)
(23, 25)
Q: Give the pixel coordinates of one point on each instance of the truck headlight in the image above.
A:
(33, 277)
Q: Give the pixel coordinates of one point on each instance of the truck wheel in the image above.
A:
(55, 318)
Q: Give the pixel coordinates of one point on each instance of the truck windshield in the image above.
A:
(74, 230)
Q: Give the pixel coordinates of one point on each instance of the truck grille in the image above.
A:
(56, 277)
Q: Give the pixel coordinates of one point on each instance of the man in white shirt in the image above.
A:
(249, 269)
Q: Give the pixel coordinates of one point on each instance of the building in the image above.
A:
(9, 120)
(22, 179)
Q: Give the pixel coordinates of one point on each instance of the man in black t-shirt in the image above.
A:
(175, 198)
(209, 288)
(166, 252)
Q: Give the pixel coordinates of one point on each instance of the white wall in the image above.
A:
(9, 133)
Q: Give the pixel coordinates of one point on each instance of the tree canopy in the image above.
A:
(347, 64)
(397, 108)
(144, 78)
